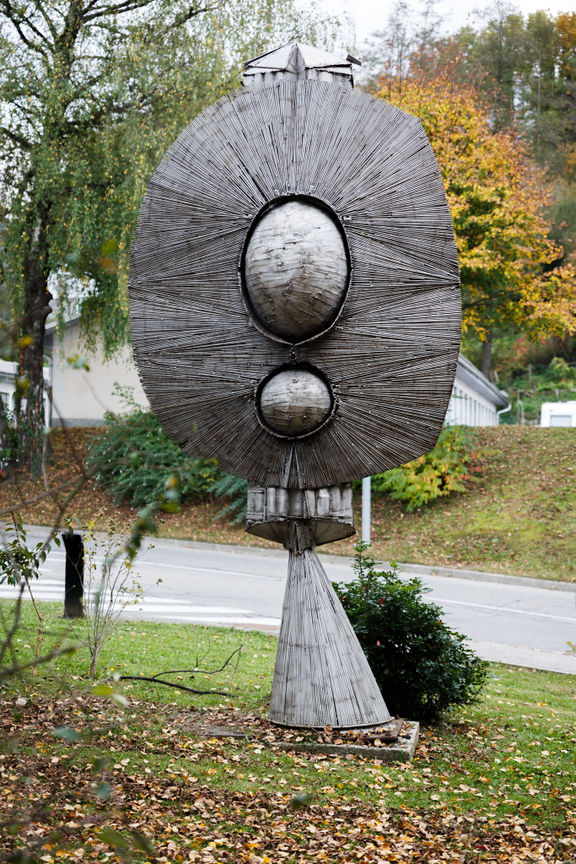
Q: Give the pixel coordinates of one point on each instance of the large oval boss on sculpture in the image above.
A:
(294, 287)
(295, 269)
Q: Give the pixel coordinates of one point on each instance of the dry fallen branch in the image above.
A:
(155, 679)
(196, 671)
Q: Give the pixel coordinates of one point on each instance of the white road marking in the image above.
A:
(506, 609)
(207, 619)
(161, 608)
(46, 568)
(52, 589)
(218, 570)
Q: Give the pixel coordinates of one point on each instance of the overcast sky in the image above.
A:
(371, 15)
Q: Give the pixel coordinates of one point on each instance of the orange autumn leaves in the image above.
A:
(512, 273)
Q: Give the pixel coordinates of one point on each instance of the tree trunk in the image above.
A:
(487, 356)
(30, 390)
(93, 659)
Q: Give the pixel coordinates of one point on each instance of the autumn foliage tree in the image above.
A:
(92, 92)
(512, 272)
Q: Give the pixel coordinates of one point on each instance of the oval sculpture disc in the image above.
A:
(295, 270)
(385, 328)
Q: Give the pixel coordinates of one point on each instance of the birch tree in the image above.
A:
(92, 92)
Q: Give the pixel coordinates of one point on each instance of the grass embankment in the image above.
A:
(494, 783)
(519, 518)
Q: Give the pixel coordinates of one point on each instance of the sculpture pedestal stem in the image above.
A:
(322, 677)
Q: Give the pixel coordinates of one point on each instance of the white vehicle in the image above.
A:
(558, 414)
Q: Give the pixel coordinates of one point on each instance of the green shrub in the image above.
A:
(235, 490)
(451, 466)
(422, 666)
(133, 458)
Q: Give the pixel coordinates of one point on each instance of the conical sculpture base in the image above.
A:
(322, 677)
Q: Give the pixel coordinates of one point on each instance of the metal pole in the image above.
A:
(366, 509)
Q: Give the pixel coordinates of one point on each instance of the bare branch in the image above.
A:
(48, 21)
(18, 20)
(117, 9)
(9, 671)
(129, 5)
(197, 671)
(74, 487)
(7, 642)
(155, 680)
(192, 12)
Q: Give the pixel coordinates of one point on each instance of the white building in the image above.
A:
(8, 373)
(81, 397)
(475, 401)
(558, 414)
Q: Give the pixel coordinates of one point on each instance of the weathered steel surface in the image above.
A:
(294, 402)
(295, 313)
(296, 270)
(271, 512)
(321, 675)
(391, 356)
(302, 61)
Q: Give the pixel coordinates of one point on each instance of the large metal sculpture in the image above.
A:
(295, 314)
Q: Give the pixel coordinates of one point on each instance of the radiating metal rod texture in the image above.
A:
(322, 676)
(202, 350)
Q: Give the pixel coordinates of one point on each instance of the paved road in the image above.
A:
(517, 621)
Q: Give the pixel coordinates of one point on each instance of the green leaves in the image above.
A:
(451, 466)
(67, 733)
(301, 800)
(137, 462)
(235, 490)
(421, 665)
(18, 560)
(103, 791)
(78, 362)
(112, 693)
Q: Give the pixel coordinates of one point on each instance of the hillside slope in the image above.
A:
(519, 519)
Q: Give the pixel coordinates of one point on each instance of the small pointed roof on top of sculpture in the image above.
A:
(294, 59)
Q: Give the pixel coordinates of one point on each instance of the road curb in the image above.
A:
(416, 569)
(527, 658)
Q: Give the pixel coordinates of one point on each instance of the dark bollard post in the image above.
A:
(74, 587)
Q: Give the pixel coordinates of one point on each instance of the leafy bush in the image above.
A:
(452, 466)
(20, 561)
(560, 373)
(235, 489)
(422, 666)
(134, 459)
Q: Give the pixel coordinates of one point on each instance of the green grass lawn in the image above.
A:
(499, 775)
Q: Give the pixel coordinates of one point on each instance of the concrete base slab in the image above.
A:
(400, 750)
(396, 744)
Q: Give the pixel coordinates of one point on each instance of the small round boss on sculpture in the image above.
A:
(295, 269)
(294, 403)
